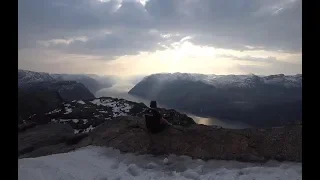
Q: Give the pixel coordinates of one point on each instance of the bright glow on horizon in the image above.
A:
(140, 37)
(183, 57)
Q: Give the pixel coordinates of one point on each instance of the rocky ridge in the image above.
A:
(85, 115)
(128, 134)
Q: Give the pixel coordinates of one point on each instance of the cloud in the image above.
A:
(232, 24)
(270, 25)
(277, 67)
(250, 58)
(148, 36)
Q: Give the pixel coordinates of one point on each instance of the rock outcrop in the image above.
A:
(35, 137)
(128, 134)
(84, 116)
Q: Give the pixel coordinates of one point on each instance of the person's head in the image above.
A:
(153, 104)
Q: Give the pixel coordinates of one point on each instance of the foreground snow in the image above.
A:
(107, 164)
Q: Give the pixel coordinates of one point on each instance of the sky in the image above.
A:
(141, 37)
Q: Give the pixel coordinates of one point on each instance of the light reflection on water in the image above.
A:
(217, 122)
(121, 91)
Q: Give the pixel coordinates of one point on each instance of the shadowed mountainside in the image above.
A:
(267, 101)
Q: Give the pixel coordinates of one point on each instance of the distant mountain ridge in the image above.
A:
(93, 82)
(224, 81)
(261, 101)
(26, 77)
(40, 92)
(47, 95)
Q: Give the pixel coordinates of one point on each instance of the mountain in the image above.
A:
(261, 101)
(57, 125)
(39, 92)
(39, 97)
(93, 82)
(26, 77)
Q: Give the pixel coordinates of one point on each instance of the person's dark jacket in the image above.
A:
(154, 120)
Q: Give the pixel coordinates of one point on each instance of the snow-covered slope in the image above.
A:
(109, 164)
(92, 82)
(26, 77)
(104, 109)
(250, 80)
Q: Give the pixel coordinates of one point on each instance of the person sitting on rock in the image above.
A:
(154, 121)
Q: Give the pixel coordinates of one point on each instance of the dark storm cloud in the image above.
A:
(269, 24)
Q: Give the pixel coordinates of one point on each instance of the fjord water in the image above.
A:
(121, 90)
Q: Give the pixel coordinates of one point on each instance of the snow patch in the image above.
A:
(100, 102)
(190, 174)
(31, 116)
(119, 108)
(54, 111)
(81, 102)
(68, 120)
(166, 161)
(101, 163)
(68, 110)
(89, 129)
(133, 170)
(151, 165)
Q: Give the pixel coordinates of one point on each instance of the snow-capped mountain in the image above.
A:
(45, 96)
(91, 81)
(221, 81)
(26, 77)
(257, 100)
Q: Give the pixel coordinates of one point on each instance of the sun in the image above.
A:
(185, 51)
